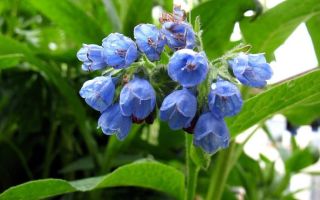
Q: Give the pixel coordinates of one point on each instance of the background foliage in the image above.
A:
(46, 130)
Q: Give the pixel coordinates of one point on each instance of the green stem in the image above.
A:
(221, 172)
(192, 171)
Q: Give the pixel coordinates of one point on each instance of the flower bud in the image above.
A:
(92, 57)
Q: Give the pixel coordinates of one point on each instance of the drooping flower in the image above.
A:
(112, 122)
(252, 70)
(98, 92)
(179, 14)
(92, 57)
(224, 98)
(137, 98)
(179, 35)
(211, 133)
(178, 109)
(119, 51)
(150, 40)
(188, 67)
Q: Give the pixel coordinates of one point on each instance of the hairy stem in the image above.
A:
(192, 171)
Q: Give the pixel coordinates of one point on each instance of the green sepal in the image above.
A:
(199, 157)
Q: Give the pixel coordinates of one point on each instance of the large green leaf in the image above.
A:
(79, 26)
(147, 174)
(136, 12)
(303, 114)
(276, 99)
(53, 75)
(271, 29)
(10, 60)
(218, 24)
(314, 31)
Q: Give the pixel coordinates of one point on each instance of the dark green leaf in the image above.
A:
(10, 60)
(272, 28)
(136, 12)
(53, 75)
(275, 100)
(314, 31)
(218, 25)
(76, 23)
(147, 174)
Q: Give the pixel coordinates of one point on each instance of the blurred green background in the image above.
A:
(46, 130)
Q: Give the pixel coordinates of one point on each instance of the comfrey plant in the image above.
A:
(205, 92)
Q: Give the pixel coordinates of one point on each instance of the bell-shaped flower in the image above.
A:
(224, 99)
(112, 122)
(92, 57)
(137, 98)
(179, 14)
(211, 133)
(119, 51)
(188, 67)
(179, 35)
(98, 92)
(252, 70)
(178, 109)
(150, 40)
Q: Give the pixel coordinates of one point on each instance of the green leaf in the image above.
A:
(314, 31)
(301, 159)
(272, 28)
(147, 174)
(199, 157)
(54, 76)
(303, 114)
(76, 23)
(10, 60)
(218, 26)
(137, 12)
(276, 99)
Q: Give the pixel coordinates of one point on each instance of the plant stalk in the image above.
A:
(192, 171)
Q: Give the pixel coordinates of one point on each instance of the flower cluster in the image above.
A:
(125, 94)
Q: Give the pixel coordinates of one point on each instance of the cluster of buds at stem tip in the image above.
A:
(205, 91)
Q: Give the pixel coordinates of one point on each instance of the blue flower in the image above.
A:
(224, 99)
(179, 35)
(179, 14)
(119, 51)
(252, 70)
(179, 108)
(112, 122)
(150, 40)
(137, 98)
(92, 57)
(187, 67)
(211, 133)
(98, 92)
